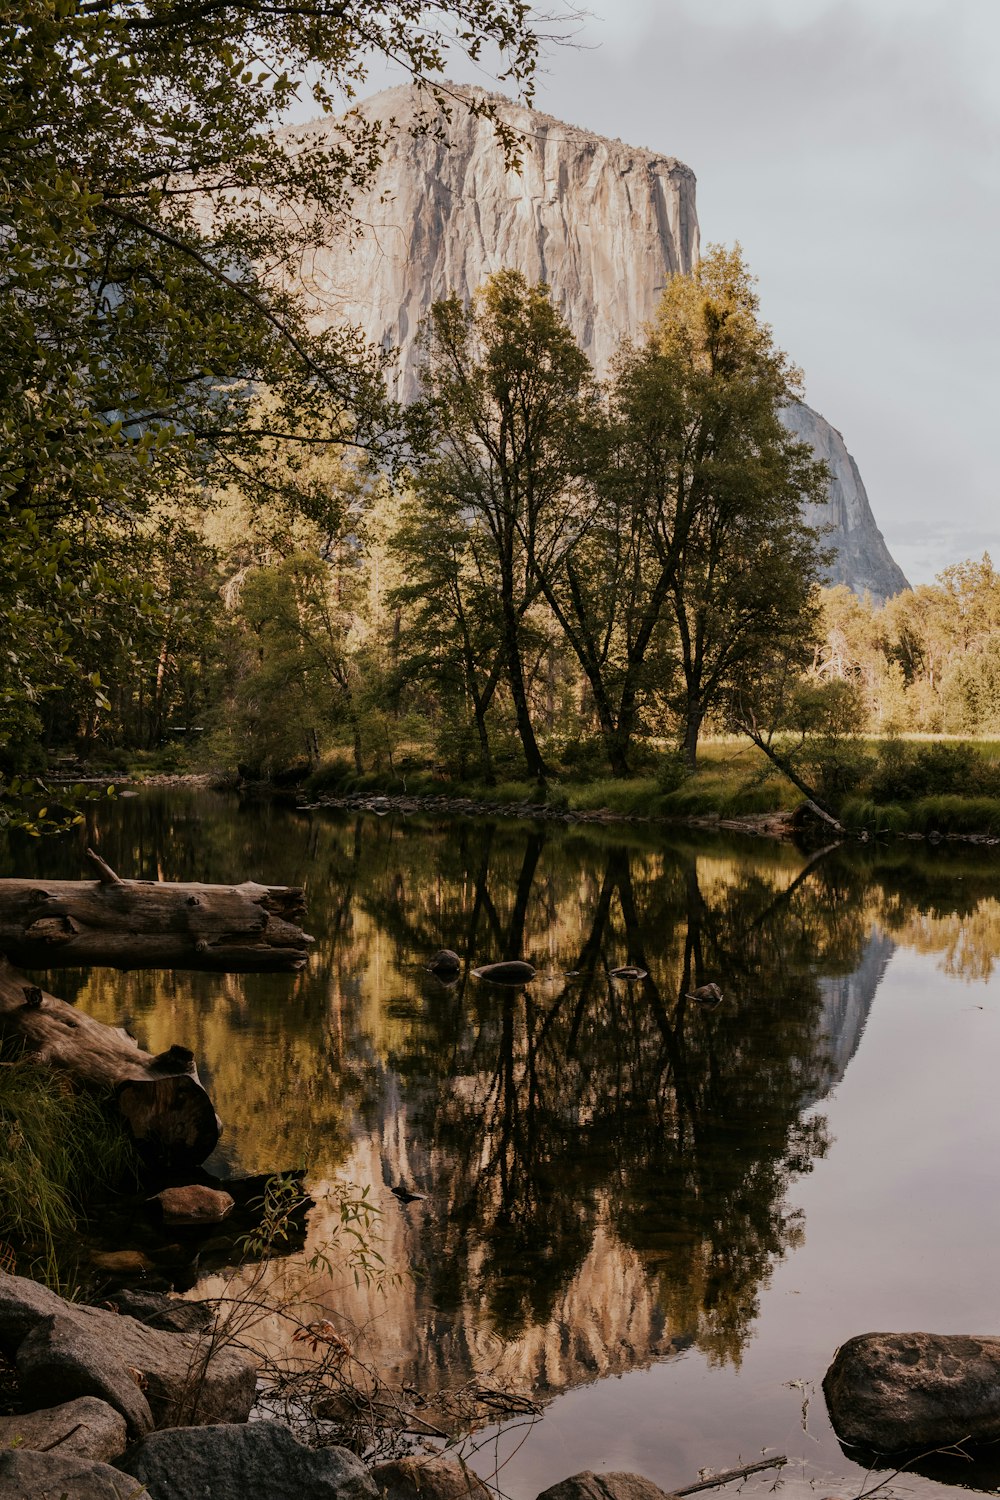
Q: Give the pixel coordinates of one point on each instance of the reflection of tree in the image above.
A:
(540, 1122)
(596, 1097)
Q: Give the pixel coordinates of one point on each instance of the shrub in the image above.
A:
(58, 1149)
(672, 770)
(906, 773)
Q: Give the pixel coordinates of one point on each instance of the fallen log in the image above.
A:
(160, 1098)
(150, 924)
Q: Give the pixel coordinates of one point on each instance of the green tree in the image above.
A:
(697, 553)
(744, 563)
(151, 224)
(507, 389)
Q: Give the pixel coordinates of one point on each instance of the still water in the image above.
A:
(659, 1219)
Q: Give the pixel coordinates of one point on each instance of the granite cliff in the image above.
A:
(602, 222)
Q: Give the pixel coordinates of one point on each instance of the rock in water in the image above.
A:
(193, 1205)
(603, 223)
(428, 1478)
(445, 963)
(590, 1486)
(705, 994)
(891, 1392)
(512, 971)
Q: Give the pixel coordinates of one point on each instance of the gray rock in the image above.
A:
(85, 1428)
(158, 1311)
(590, 1486)
(861, 558)
(186, 1378)
(59, 1361)
(55, 1476)
(428, 1478)
(23, 1303)
(894, 1391)
(232, 1462)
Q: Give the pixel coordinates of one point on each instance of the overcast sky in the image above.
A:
(852, 149)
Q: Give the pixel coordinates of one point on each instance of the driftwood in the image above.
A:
(160, 1098)
(148, 924)
(728, 1475)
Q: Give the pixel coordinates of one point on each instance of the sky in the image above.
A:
(853, 149)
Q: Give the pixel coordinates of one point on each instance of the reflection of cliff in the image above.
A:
(609, 1169)
(846, 1001)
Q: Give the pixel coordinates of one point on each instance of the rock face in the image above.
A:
(890, 1392)
(602, 222)
(861, 558)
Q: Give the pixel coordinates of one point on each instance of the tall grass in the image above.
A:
(59, 1149)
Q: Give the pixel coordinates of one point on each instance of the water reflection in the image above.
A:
(607, 1167)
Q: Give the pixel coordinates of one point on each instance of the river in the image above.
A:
(657, 1218)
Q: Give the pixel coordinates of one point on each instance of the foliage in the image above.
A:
(507, 390)
(926, 660)
(151, 227)
(60, 1149)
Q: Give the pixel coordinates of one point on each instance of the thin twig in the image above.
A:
(728, 1475)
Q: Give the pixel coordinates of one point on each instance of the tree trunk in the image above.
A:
(518, 691)
(161, 1099)
(692, 729)
(146, 924)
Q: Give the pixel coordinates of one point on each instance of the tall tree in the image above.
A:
(697, 552)
(744, 562)
(507, 389)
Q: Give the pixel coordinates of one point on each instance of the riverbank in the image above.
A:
(913, 788)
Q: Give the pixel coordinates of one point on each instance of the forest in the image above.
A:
(224, 546)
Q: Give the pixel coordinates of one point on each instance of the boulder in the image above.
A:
(194, 1204)
(511, 971)
(59, 1361)
(445, 962)
(85, 1428)
(24, 1303)
(891, 1392)
(428, 1478)
(590, 1486)
(121, 1262)
(232, 1462)
(56, 1476)
(159, 1311)
(186, 1377)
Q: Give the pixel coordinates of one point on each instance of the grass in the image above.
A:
(943, 813)
(59, 1150)
(732, 780)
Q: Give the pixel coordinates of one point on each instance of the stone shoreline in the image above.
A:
(150, 1397)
